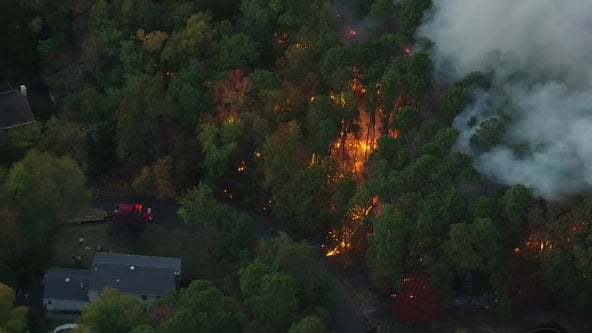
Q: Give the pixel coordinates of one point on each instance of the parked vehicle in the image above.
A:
(100, 215)
(138, 208)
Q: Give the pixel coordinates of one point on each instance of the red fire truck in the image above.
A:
(100, 215)
(138, 208)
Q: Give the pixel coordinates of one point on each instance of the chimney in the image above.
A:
(23, 89)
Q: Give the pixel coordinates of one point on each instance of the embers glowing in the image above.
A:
(242, 166)
(281, 38)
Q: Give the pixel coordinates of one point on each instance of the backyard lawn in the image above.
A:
(157, 240)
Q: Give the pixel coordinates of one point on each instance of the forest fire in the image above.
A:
(537, 245)
(336, 238)
(242, 166)
(228, 194)
(356, 85)
(340, 240)
(351, 149)
(280, 38)
(337, 99)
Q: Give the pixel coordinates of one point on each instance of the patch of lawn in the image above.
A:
(157, 240)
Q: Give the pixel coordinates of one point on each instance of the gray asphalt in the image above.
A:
(344, 318)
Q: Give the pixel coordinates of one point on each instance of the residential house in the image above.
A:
(15, 109)
(144, 277)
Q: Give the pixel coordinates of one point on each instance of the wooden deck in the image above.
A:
(91, 215)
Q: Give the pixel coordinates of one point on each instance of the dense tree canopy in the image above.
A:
(327, 119)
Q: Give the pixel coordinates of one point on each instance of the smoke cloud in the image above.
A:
(539, 53)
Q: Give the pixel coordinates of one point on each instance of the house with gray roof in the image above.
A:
(15, 109)
(144, 277)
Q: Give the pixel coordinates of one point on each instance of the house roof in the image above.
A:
(138, 260)
(66, 283)
(144, 275)
(14, 109)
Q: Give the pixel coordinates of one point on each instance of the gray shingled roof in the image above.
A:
(138, 260)
(66, 283)
(149, 275)
(14, 109)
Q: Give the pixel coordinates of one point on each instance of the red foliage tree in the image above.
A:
(158, 315)
(415, 302)
(231, 94)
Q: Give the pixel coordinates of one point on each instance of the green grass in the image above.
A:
(157, 240)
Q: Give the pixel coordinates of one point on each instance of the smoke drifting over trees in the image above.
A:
(538, 55)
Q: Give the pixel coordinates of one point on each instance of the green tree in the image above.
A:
(47, 185)
(13, 319)
(232, 231)
(515, 203)
(410, 13)
(276, 303)
(113, 312)
(42, 190)
(388, 248)
(383, 11)
(406, 119)
(474, 246)
(309, 324)
(156, 179)
(489, 134)
(455, 99)
(218, 145)
(236, 50)
(445, 139)
(142, 110)
(194, 40)
(202, 308)
(435, 213)
(299, 261)
(336, 67)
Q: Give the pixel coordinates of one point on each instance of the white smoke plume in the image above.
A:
(540, 55)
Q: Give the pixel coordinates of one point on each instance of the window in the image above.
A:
(143, 297)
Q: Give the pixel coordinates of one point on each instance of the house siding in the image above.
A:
(94, 294)
(63, 305)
